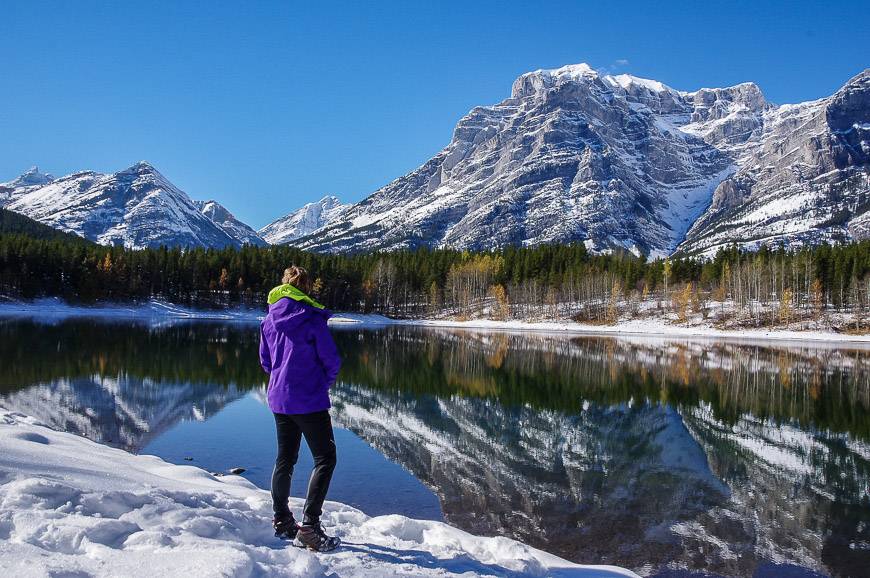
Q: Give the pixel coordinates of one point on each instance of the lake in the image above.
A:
(669, 457)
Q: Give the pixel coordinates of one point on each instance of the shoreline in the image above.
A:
(69, 505)
(155, 310)
(647, 328)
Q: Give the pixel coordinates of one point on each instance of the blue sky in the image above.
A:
(267, 105)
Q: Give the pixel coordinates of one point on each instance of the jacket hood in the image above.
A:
(291, 292)
(289, 307)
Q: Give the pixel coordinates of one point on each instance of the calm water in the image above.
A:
(668, 457)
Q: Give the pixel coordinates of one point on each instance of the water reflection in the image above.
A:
(655, 455)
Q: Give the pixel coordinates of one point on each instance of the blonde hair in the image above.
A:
(296, 276)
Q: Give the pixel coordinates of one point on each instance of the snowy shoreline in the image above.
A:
(154, 310)
(74, 507)
(648, 328)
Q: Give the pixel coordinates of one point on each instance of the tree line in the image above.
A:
(548, 281)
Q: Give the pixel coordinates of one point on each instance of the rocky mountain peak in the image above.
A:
(849, 108)
(136, 207)
(224, 219)
(540, 80)
(802, 174)
(303, 221)
(30, 177)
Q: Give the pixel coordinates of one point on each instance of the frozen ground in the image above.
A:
(71, 507)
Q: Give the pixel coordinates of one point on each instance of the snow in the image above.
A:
(72, 507)
(685, 205)
(647, 327)
(155, 310)
(303, 221)
(569, 71)
(626, 80)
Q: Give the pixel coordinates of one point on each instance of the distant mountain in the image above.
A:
(303, 221)
(231, 226)
(621, 162)
(28, 180)
(31, 177)
(137, 207)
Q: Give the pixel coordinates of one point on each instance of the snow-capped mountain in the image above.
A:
(31, 177)
(805, 177)
(303, 221)
(619, 162)
(616, 162)
(29, 180)
(137, 207)
(230, 224)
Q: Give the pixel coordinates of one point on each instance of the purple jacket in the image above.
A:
(298, 353)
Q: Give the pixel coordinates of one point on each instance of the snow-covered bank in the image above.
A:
(646, 327)
(71, 507)
(54, 308)
(155, 310)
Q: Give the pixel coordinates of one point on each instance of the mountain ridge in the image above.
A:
(136, 207)
(617, 162)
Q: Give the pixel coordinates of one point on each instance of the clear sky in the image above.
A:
(264, 106)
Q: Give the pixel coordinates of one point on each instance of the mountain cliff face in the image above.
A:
(230, 224)
(137, 207)
(620, 162)
(570, 156)
(303, 221)
(805, 178)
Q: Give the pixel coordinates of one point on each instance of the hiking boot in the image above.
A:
(285, 527)
(313, 537)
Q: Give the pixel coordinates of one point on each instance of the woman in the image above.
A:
(298, 353)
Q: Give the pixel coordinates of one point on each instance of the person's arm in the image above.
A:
(327, 352)
(265, 356)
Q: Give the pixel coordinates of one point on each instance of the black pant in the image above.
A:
(317, 429)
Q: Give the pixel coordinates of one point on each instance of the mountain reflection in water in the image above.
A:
(652, 454)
